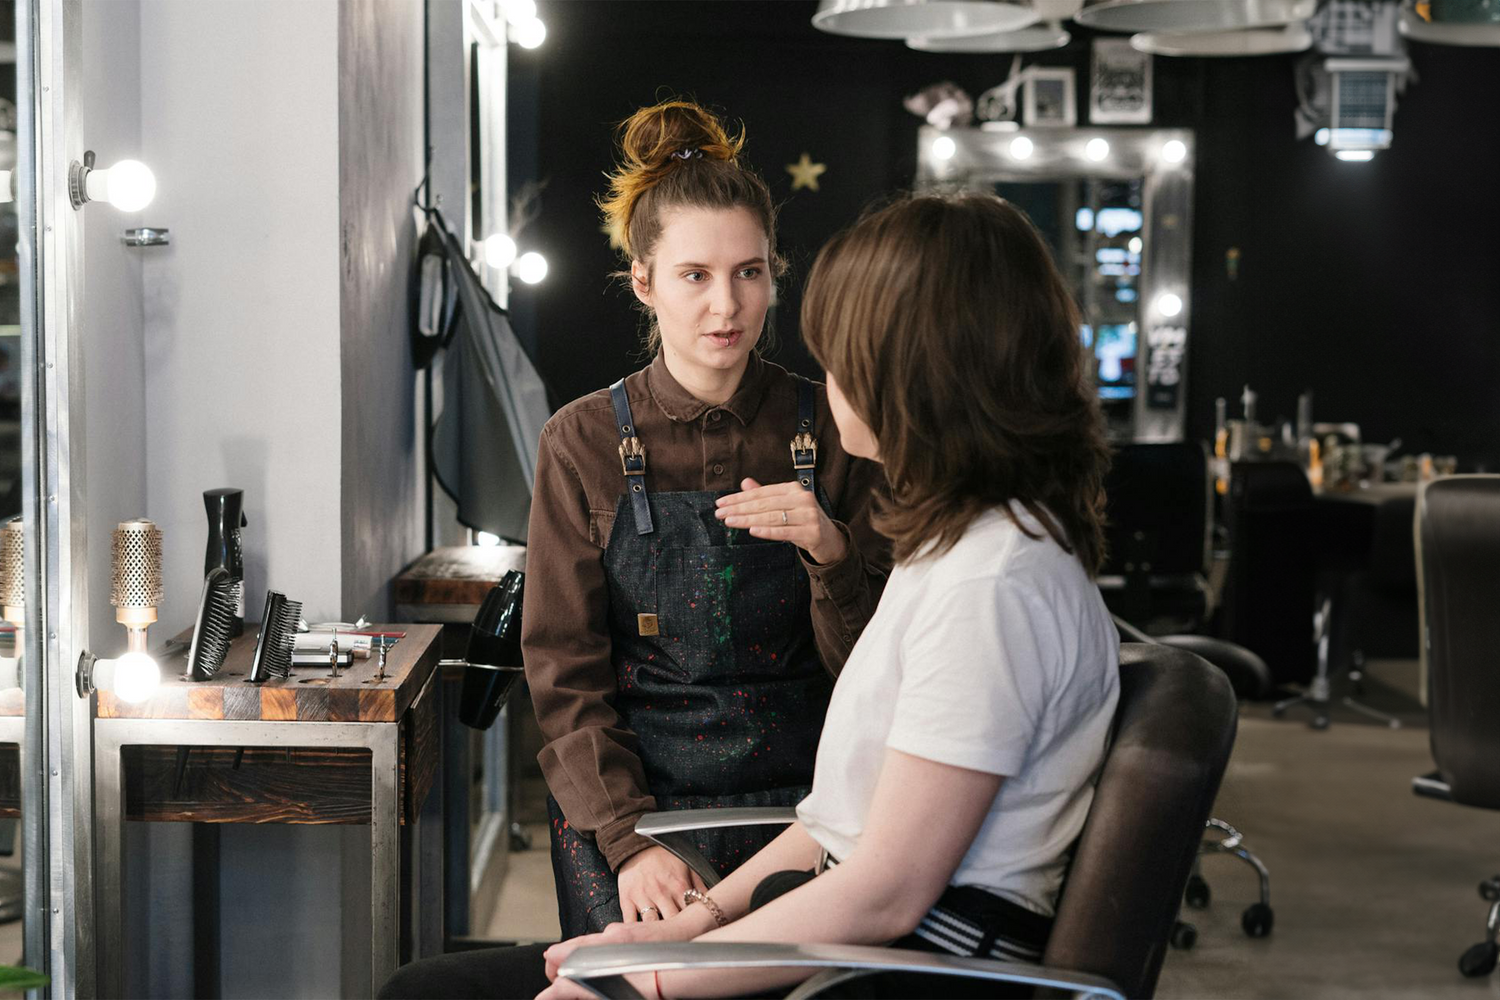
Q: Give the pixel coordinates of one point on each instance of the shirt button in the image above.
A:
(848, 637)
(718, 470)
(717, 414)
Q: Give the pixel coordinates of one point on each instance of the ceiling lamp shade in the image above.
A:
(1037, 38)
(1177, 16)
(1247, 42)
(899, 19)
(1452, 22)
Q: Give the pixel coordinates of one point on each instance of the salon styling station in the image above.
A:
(356, 745)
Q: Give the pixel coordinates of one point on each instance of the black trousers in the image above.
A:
(519, 973)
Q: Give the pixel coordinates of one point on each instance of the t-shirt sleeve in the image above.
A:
(973, 678)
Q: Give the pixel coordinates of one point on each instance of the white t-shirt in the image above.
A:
(997, 656)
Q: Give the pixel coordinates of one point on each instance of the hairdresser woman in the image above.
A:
(675, 663)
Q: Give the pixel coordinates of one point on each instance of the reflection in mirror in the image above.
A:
(12, 590)
(1114, 205)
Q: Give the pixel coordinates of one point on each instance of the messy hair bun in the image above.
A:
(678, 154)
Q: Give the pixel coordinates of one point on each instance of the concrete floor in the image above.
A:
(1374, 889)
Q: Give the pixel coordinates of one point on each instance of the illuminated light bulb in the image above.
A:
(1168, 305)
(1021, 148)
(136, 677)
(531, 267)
(128, 185)
(1174, 151)
(518, 11)
(1135, 244)
(529, 33)
(499, 251)
(1355, 155)
(943, 148)
(1096, 150)
(1321, 137)
(485, 538)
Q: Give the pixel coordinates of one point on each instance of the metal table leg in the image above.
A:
(381, 739)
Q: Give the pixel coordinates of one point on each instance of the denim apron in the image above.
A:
(718, 674)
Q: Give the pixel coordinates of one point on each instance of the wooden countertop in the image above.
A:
(448, 584)
(308, 695)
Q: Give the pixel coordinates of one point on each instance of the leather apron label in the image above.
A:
(646, 624)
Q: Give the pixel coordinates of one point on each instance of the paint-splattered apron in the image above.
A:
(717, 669)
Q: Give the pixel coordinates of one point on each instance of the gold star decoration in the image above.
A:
(805, 173)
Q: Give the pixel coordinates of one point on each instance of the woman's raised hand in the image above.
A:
(652, 883)
(785, 512)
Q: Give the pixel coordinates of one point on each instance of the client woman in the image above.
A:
(674, 662)
(965, 732)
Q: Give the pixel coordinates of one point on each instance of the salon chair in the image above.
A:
(1159, 498)
(1174, 729)
(1251, 680)
(1458, 560)
(1270, 589)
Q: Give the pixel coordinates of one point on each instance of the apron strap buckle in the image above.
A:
(632, 457)
(804, 457)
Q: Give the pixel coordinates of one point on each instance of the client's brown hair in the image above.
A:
(948, 327)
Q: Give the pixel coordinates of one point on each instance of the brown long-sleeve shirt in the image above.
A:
(590, 759)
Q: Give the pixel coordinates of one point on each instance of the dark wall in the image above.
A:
(1368, 283)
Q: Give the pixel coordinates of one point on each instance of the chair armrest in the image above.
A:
(674, 830)
(601, 969)
(1432, 786)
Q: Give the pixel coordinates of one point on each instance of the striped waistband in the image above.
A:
(973, 922)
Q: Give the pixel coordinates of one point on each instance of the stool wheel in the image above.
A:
(1184, 936)
(1257, 920)
(1197, 893)
(1479, 960)
(1489, 890)
(1319, 722)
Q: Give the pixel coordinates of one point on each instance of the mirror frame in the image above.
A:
(981, 157)
(57, 779)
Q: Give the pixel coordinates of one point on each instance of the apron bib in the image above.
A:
(717, 670)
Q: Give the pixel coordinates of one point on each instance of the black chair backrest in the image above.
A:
(1158, 502)
(1458, 552)
(1174, 729)
(1269, 593)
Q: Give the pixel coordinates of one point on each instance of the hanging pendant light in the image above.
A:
(1037, 38)
(898, 19)
(1246, 42)
(1177, 16)
(1444, 22)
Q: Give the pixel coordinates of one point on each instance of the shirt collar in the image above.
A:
(682, 406)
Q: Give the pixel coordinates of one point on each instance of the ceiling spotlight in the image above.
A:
(943, 148)
(1355, 155)
(1096, 150)
(1173, 151)
(897, 19)
(1021, 148)
(1168, 305)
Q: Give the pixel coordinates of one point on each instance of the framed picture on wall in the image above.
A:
(1050, 97)
(1120, 84)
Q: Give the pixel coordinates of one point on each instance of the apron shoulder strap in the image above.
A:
(632, 459)
(805, 441)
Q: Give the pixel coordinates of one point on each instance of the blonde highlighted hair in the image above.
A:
(949, 329)
(678, 154)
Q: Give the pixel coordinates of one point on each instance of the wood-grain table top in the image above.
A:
(458, 574)
(308, 695)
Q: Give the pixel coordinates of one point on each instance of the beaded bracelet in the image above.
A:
(692, 896)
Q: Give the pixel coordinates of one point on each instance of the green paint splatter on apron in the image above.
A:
(723, 624)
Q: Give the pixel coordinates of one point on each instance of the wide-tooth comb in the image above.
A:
(211, 630)
(278, 631)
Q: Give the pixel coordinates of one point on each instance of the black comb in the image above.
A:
(278, 631)
(212, 630)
